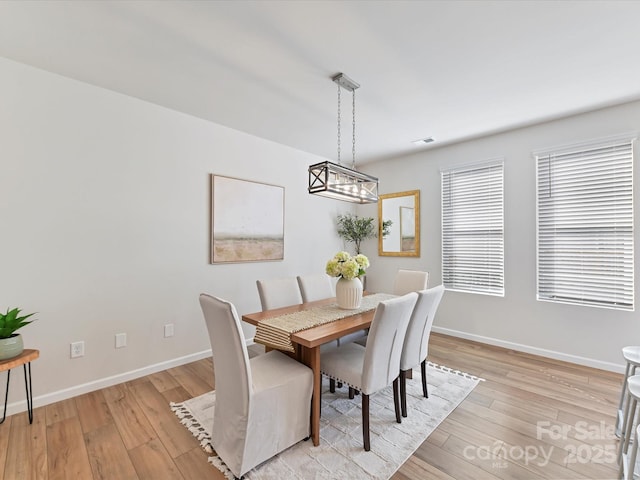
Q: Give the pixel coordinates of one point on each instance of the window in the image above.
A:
(585, 224)
(473, 228)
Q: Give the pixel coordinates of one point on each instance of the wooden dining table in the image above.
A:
(307, 344)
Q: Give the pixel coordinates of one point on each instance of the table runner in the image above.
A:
(276, 332)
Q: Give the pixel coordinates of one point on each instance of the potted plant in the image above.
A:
(10, 342)
(349, 270)
(355, 229)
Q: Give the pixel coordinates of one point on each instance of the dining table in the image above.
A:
(306, 343)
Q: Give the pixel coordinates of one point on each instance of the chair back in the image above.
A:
(278, 292)
(416, 340)
(384, 345)
(315, 287)
(230, 359)
(410, 281)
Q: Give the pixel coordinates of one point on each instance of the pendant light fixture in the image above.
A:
(336, 181)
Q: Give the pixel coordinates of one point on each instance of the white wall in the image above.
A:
(104, 208)
(591, 336)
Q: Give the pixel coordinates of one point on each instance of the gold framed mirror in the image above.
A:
(399, 224)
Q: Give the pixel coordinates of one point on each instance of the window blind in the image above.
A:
(473, 228)
(585, 225)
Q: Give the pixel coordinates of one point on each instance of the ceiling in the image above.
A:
(452, 70)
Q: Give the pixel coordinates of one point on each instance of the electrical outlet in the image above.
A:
(77, 349)
(121, 340)
(168, 330)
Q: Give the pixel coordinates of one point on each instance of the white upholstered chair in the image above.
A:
(315, 287)
(410, 281)
(278, 292)
(416, 340)
(376, 366)
(318, 287)
(263, 405)
(405, 281)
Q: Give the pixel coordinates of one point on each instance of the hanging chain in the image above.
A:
(353, 125)
(353, 148)
(339, 87)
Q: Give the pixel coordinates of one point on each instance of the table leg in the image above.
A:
(6, 396)
(29, 389)
(312, 360)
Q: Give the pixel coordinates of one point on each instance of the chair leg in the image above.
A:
(423, 371)
(365, 422)
(332, 385)
(351, 393)
(403, 392)
(624, 444)
(339, 384)
(396, 399)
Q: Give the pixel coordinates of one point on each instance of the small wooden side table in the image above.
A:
(23, 359)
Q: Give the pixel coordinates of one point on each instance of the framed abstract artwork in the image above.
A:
(247, 221)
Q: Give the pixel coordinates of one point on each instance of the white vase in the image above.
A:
(349, 293)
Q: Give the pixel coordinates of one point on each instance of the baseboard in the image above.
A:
(587, 362)
(42, 400)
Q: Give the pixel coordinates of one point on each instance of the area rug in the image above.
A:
(340, 453)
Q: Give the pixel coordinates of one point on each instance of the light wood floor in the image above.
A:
(528, 410)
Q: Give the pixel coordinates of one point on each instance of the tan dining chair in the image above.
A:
(416, 340)
(263, 404)
(315, 287)
(410, 281)
(376, 366)
(278, 292)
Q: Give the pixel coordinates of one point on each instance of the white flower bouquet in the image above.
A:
(346, 266)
